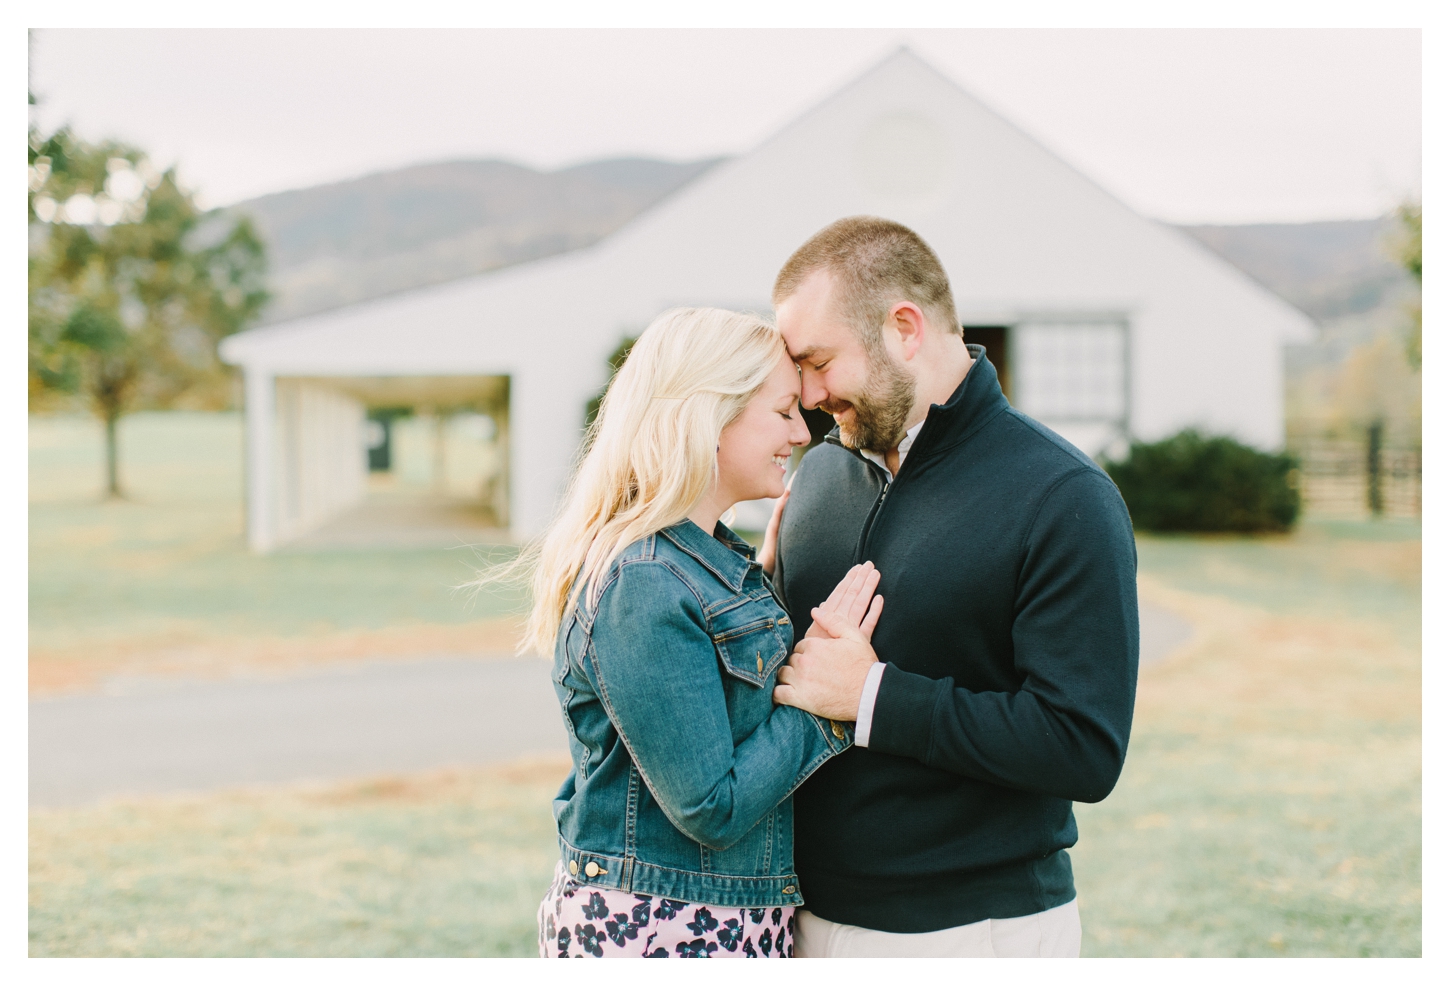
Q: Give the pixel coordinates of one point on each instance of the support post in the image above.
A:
(1374, 472)
(261, 414)
(440, 451)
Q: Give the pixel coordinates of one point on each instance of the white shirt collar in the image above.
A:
(901, 449)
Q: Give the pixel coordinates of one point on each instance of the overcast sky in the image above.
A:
(1184, 125)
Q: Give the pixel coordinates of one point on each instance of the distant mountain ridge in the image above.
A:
(341, 243)
(1326, 269)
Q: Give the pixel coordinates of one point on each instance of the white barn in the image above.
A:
(1110, 325)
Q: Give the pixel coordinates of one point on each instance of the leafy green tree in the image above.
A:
(1408, 253)
(131, 285)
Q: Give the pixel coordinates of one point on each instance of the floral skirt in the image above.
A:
(578, 922)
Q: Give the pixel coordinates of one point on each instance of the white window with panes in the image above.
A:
(1072, 375)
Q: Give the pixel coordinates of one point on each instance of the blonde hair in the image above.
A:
(649, 456)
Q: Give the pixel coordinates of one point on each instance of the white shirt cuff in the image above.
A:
(867, 707)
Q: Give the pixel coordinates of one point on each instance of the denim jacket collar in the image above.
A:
(726, 556)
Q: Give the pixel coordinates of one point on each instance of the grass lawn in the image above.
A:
(1270, 804)
(442, 864)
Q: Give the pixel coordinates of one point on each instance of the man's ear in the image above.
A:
(908, 324)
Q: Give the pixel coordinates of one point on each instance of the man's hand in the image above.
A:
(825, 675)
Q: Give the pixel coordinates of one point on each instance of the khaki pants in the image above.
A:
(1053, 933)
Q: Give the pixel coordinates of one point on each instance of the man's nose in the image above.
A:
(812, 393)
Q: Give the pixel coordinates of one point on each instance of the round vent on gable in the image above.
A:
(902, 155)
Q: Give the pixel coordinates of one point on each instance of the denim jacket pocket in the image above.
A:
(753, 649)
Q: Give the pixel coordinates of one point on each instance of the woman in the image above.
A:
(675, 824)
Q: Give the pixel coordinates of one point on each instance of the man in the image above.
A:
(1008, 645)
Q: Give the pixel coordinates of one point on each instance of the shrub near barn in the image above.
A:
(1193, 482)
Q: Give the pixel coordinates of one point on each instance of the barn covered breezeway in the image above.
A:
(397, 459)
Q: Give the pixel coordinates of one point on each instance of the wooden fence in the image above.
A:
(1339, 478)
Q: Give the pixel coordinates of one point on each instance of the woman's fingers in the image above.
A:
(833, 601)
(868, 625)
(849, 586)
(850, 599)
(856, 605)
(857, 597)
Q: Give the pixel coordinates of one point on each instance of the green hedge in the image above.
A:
(1192, 482)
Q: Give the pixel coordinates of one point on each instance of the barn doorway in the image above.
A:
(992, 338)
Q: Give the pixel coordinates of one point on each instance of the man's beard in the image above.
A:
(881, 408)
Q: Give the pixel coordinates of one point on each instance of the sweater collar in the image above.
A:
(977, 399)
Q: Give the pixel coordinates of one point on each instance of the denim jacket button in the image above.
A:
(840, 733)
(788, 889)
(591, 868)
(759, 663)
(573, 867)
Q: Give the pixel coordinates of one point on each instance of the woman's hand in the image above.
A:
(852, 602)
(772, 532)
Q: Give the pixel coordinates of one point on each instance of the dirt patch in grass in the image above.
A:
(188, 652)
(454, 784)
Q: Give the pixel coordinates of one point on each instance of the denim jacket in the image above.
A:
(683, 766)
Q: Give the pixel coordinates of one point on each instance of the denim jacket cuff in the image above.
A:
(838, 735)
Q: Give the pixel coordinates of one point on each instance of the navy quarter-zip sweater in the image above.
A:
(1010, 632)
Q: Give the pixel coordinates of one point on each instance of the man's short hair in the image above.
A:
(875, 263)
